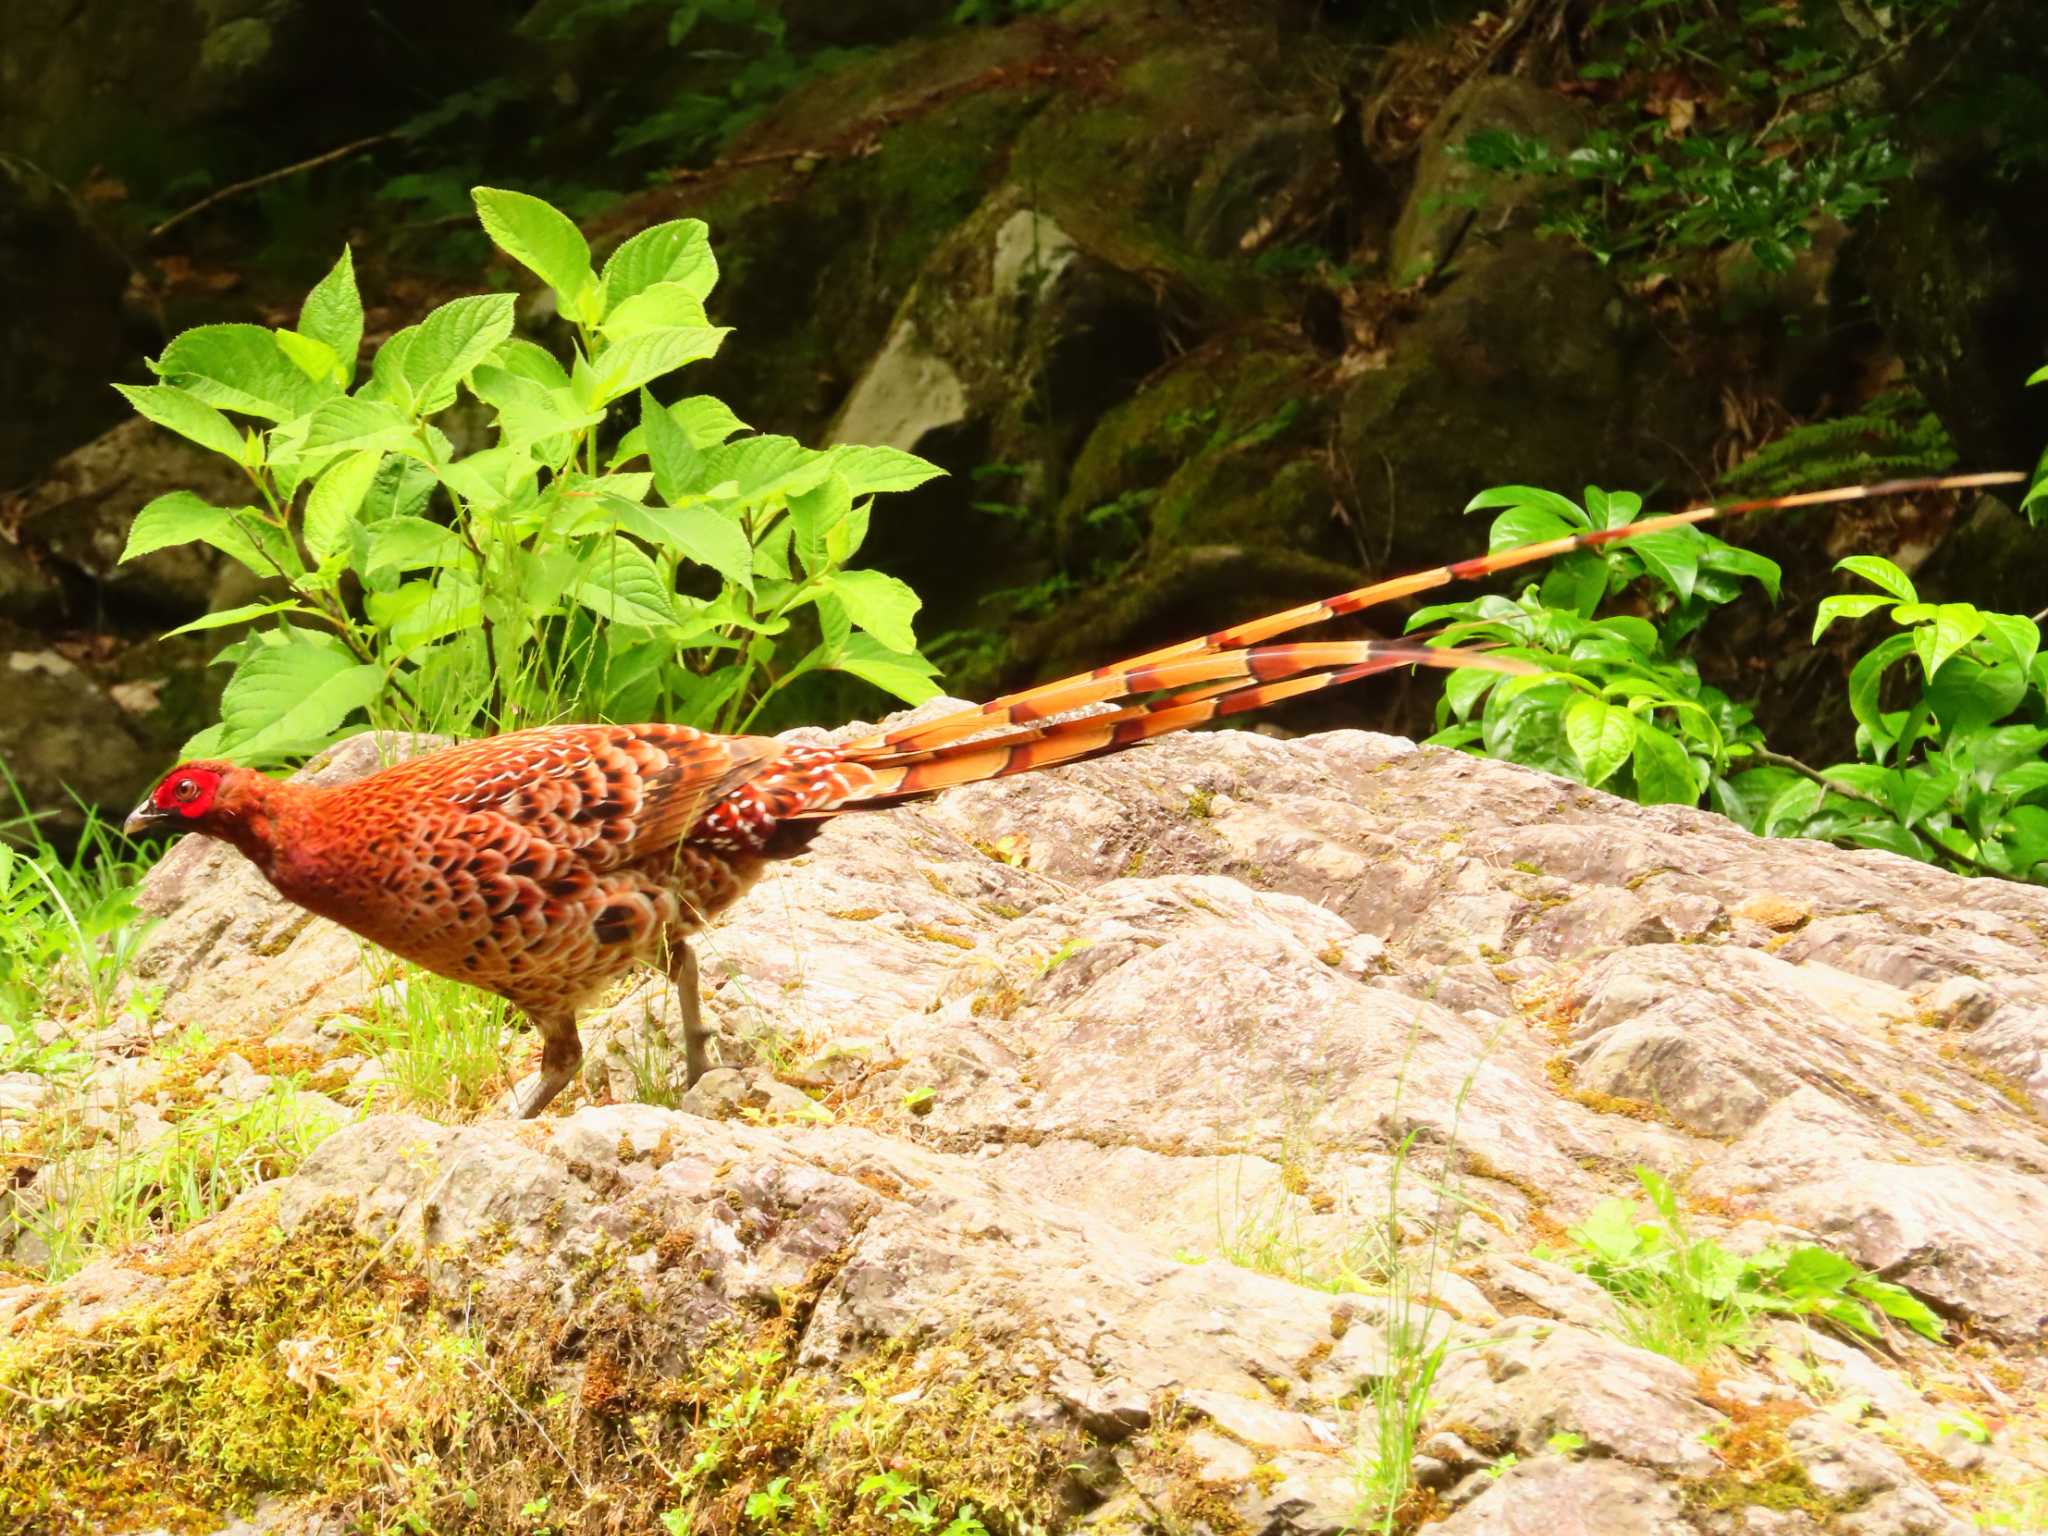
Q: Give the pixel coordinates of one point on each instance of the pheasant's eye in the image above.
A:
(185, 789)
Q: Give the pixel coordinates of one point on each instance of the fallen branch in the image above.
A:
(237, 188)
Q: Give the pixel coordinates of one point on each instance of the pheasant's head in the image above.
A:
(216, 798)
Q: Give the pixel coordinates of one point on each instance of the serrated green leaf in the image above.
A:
(871, 470)
(767, 467)
(879, 604)
(698, 534)
(1880, 572)
(452, 340)
(331, 505)
(244, 614)
(677, 252)
(545, 241)
(240, 368)
(665, 306)
(180, 517)
(409, 543)
(619, 582)
(333, 313)
(185, 414)
(348, 424)
(626, 365)
(528, 410)
(678, 466)
(816, 515)
(287, 699)
(906, 675)
(1601, 736)
(315, 359)
(1898, 1303)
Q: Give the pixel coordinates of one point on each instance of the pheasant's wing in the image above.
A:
(609, 793)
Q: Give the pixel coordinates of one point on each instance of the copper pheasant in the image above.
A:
(542, 864)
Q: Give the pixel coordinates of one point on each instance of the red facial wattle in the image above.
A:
(189, 793)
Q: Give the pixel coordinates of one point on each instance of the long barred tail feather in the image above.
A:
(1195, 690)
(1111, 682)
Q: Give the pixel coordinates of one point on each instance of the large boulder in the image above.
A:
(1094, 1141)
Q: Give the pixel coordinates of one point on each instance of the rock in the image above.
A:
(1451, 196)
(61, 281)
(1552, 1496)
(28, 593)
(66, 744)
(1189, 1118)
(79, 511)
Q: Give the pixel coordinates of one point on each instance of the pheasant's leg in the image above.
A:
(561, 1053)
(682, 971)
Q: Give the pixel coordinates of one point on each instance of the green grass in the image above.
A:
(97, 1189)
(444, 1045)
(68, 932)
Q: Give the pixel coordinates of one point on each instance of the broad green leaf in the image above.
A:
(626, 365)
(1525, 525)
(1464, 688)
(403, 488)
(1887, 836)
(240, 368)
(1743, 562)
(1576, 583)
(287, 698)
(1530, 496)
(2026, 779)
(352, 424)
(678, 467)
(620, 583)
(1791, 808)
(835, 625)
(1602, 737)
(869, 470)
(314, 358)
(1866, 678)
(1898, 1303)
(1612, 509)
(452, 340)
(1673, 557)
(387, 371)
(185, 414)
(665, 306)
(677, 252)
(1663, 772)
(879, 604)
(907, 675)
(1967, 696)
(545, 241)
(2038, 376)
(1880, 572)
(704, 419)
(1609, 1231)
(1847, 605)
(332, 504)
(490, 477)
(1955, 626)
(333, 313)
(2018, 635)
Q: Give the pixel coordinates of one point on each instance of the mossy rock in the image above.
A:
(1531, 368)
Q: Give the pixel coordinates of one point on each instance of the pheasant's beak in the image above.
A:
(144, 818)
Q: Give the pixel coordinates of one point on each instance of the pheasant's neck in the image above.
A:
(259, 826)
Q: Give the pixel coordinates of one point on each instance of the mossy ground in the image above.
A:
(314, 1367)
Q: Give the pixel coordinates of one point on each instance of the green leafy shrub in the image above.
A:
(1616, 705)
(1958, 773)
(1690, 1298)
(458, 544)
(1716, 128)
